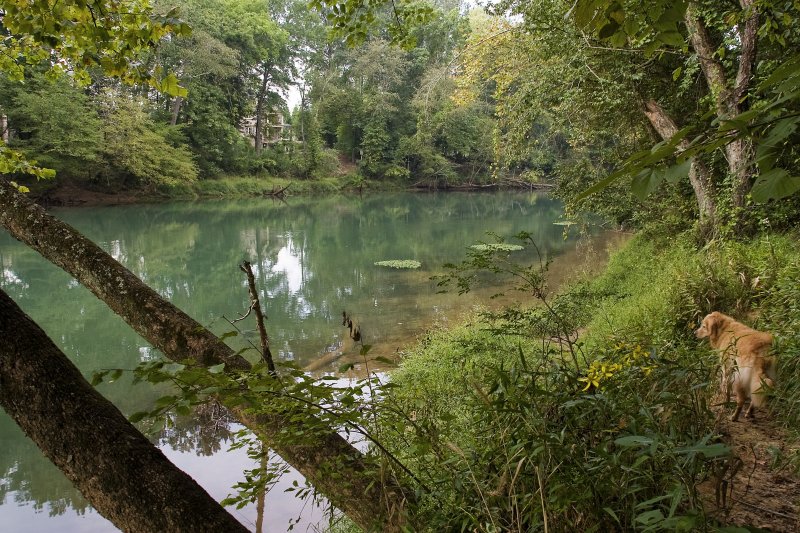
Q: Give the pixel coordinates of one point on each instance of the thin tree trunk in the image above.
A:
(176, 109)
(260, 100)
(255, 305)
(3, 127)
(699, 173)
(369, 497)
(127, 479)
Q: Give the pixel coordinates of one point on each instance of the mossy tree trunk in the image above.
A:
(353, 483)
(127, 479)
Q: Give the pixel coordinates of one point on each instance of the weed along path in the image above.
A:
(756, 487)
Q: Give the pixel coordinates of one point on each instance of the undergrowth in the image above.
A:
(589, 411)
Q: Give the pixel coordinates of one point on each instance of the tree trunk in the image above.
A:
(260, 101)
(369, 496)
(127, 479)
(699, 173)
(3, 127)
(176, 109)
(729, 98)
(739, 154)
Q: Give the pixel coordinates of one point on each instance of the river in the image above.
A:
(313, 258)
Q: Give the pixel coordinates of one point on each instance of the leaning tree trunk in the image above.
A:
(352, 483)
(127, 479)
(699, 173)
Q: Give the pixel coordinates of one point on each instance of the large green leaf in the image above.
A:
(678, 171)
(646, 182)
(774, 184)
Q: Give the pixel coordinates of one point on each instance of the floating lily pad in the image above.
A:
(497, 247)
(399, 263)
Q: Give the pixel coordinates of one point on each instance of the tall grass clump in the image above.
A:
(780, 314)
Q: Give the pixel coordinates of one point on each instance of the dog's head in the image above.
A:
(710, 327)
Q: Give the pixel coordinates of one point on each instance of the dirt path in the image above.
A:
(760, 489)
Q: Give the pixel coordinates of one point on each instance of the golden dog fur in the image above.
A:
(744, 355)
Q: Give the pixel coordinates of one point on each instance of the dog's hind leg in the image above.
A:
(759, 398)
(740, 399)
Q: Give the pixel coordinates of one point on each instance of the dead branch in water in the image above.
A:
(255, 306)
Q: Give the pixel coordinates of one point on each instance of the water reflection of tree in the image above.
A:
(204, 432)
(31, 478)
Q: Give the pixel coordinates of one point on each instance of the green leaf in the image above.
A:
(707, 450)
(216, 369)
(780, 131)
(365, 349)
(677, 172)
(646, 182)
(137, 416)
(602, 184)
(672, 38)
(613, 515)
(633, 440)
(650, 517)
(228, 334)
(98, 377)
(345, 367)
(774, 184)
(170, 85)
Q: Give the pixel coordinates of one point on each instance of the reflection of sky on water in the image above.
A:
(289, 265)
(9, 276)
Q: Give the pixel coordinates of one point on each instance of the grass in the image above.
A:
(510, 432)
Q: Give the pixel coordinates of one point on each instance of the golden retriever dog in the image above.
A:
(744, 355)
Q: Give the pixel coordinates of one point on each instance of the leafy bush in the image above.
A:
(136, 147)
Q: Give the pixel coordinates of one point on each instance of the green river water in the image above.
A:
(313, 258)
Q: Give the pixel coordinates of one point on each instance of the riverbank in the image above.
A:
(612, 421)
(69, 194)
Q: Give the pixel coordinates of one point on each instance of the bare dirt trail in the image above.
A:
(760, 489)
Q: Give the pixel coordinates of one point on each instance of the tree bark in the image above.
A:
(127, 479)
(260, 100)
(369, 497)
(176, 109)
(729, 98)
(255, 305)
(699, 173)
